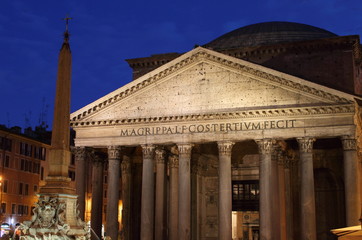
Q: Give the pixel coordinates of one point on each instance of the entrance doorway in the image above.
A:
(245, 215)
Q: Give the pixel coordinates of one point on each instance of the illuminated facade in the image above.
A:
(253, 135)
(23, 167)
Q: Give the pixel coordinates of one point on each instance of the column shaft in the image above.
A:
(275, 197)
(126, 198)
(307, 198)
(160, 229)
(80, 180)
(225, 201)
(282, 197)
(147, 202)
(97, 196)
(351, 181)
(184, 209)
(266, 186)
(288, 201)
(173, 198)
(114, 154)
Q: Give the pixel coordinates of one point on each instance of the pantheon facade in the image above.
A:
(254, 135)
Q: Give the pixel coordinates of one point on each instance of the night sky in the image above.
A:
(105, 33)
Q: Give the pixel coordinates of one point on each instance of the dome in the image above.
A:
(268, 33)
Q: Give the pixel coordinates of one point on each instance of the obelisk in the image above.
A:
(55, 215)
(57, 180)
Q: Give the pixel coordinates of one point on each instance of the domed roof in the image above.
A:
(268, 33)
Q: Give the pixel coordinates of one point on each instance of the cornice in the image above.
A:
(305, 45)
(192, 57)
(260, 113)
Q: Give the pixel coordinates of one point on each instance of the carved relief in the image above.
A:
(212, 222)
(48, 222)
(300, 111)
(259, 74)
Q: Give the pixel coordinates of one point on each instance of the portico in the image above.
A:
(210, 99)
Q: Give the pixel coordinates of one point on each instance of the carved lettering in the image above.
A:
(226, 127)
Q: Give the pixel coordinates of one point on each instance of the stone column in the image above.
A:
(288, 199)
(97, 196)
(351, 181)
(126, 198)
(114, 156)
(225, 201)
(307, 198)
(282, 195)
(173, 198)
(266, 189)
(196, 206)
(184, 204)
(80, 178)
(148, 194)
(160, 205)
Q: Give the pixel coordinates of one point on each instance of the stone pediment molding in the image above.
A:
(253, 71)
(259, 113)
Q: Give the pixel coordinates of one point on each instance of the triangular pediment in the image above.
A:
(206, 82)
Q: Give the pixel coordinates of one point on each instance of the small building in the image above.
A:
(22, 170)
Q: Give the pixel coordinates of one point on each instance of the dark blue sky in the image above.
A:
(104, 33)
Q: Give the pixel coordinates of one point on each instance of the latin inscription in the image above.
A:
(208, 128)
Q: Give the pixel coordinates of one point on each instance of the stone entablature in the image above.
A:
(251, 113)
(324, 125)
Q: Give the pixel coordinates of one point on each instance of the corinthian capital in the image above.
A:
(225, 148)
(148, 151)
(114, 152)
(160, 155)
(126, 165)
(184, 148)
(306, 144)
(79, 153)
(265, 145)
(349, 143)
(173, 161)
